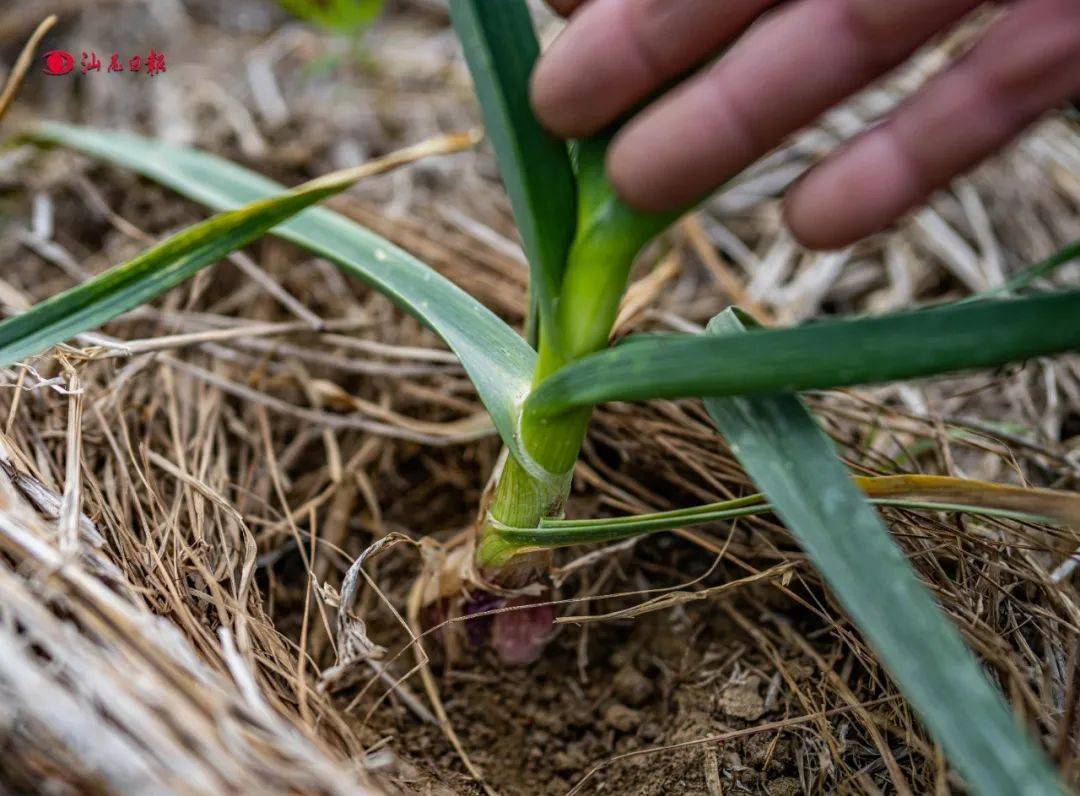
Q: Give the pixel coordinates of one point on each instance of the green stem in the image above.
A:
(527, 494)
(607, 239)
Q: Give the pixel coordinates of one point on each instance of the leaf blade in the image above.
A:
(823, 355)
(1067, 254)
(497, 359)
(931, 493)
(501, 48)
(175, 259)
(791, 459)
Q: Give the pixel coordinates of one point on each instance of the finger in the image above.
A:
(615, 53)
(779, 77)
(1028, 63)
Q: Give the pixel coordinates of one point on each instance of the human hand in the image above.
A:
(794, 60)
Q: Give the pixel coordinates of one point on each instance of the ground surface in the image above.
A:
(228, 485)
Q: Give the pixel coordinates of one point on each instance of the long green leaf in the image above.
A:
(818, 356)
(553, 534)
(929, 492)
(785, 452)
(177, 258)
(126, 286)
(501, 48)
(499, 362)
(1064, 256)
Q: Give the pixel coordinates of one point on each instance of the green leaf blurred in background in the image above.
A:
(348, 17)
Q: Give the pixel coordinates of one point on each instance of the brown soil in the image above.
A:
(624, 687)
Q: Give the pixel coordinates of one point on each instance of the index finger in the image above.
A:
(615, 53)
